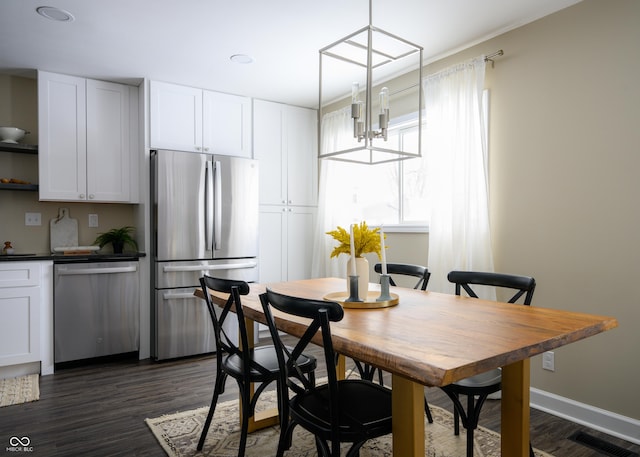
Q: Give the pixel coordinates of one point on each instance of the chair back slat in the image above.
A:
(406, 269)
(523, 285)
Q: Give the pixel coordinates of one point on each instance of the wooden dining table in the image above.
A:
(435, 339)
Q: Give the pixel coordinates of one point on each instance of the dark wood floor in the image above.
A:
(99, 410)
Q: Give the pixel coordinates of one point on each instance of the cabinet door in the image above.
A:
(19, 325)
(302, 158)
(62, 132)
(300, 226)
(273, 244)
(175, 117)
(108, 155)
(285, 143)
(226, 124)
(286, 243)
(268, 128)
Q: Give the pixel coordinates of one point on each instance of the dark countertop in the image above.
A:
(84, 258)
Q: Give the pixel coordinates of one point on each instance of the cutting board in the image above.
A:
(64, 230)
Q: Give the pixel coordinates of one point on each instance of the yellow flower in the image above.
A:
(365, 240)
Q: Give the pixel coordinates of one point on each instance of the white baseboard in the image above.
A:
(625, 428)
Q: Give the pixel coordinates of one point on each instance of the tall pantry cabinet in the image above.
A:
(285, 143)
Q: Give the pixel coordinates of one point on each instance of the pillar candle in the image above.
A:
(353, 254)
(384, 254)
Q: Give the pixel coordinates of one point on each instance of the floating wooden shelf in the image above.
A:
(19, 148)
(10, 186)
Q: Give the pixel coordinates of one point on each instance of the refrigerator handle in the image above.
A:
(217, 222)
(208, 210)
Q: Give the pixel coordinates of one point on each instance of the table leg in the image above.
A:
(408, 417)
(515, 409)
(341, 368)
(266, 418)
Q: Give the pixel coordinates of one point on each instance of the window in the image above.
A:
(393, 194)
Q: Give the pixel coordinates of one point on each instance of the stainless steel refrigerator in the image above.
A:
(205, 218)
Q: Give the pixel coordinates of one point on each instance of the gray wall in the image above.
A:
(564, 161)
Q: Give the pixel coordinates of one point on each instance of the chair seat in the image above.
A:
(486, 379)
(365, 410)
(267, 357)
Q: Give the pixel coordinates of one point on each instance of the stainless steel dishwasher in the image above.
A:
(96, 309)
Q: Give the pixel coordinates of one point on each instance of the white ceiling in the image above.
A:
(190, 41)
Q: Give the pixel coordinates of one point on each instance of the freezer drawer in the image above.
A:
(183, 274)
(183, 324)
(96, 310)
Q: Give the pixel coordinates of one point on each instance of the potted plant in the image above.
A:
(118, 237)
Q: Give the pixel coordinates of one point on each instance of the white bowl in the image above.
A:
(11, 134)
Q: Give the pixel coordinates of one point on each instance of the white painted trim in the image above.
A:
(613, 424)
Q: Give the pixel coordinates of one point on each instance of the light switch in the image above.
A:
(93, 220)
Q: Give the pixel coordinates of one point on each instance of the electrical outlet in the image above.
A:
(93, 220)
(32, 219)
(548, 361)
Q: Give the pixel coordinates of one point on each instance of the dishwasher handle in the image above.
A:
(61, 271)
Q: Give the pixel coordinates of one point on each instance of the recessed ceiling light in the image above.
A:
(241, 58)
(55, 14)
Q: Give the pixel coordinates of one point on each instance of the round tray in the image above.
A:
(369, 303)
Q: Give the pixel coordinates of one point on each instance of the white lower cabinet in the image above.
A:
(19, 312)
(286, 242)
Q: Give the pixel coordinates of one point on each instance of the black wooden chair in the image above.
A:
(478, 388)
(258, 365)
(367, 371)
(350, 410)
(406, 269)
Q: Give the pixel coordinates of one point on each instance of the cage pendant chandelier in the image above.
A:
(380, 74)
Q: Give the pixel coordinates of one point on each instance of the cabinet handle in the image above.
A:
(91, 196)
(82, 197)
(206, 149)
(197, 148)
(289, 202)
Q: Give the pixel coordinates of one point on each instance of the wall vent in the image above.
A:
(601, 445)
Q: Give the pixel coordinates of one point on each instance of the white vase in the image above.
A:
(362, 270)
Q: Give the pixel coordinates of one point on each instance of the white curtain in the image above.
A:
(336, 133)
(455, 148)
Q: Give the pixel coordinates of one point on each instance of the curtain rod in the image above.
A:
(490, 57)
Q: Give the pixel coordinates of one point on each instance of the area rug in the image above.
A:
(179, 433)
(23, 389)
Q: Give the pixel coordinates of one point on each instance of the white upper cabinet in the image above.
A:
(285, 143)
(189, 119)
(175, 117)
(87, 140)
(108, 170)
(62, 129)
(226, 124)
